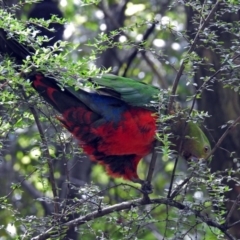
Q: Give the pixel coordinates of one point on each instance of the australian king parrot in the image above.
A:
(116, 122)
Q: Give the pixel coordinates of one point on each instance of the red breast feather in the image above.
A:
(118, 147)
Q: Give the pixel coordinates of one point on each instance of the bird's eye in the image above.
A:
(206, 148)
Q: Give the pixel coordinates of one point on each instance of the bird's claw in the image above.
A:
(146, 186)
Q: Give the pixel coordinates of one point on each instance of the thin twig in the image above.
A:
(160, 78)
(152, 163)
(37, 195)
(233, 208)
(231, 127)
(3, 84)
(179, 187)
(234, 224)
(21, 182)
(191, 49)
(107, 12)
(179, 151)
(135, 52)
(45, 151)
(172, 177)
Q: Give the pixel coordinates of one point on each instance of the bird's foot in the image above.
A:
(146, 187)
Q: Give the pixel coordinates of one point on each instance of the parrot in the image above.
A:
(115, 122)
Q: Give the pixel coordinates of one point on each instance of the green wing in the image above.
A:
(131, 91)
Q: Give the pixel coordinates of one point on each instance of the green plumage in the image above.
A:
(131, 91)
(194, 144)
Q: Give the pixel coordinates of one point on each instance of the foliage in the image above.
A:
(148, 41)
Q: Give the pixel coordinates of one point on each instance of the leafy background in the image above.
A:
(189, 44)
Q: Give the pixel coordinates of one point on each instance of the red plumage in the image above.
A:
(119, 146)
(135, 134)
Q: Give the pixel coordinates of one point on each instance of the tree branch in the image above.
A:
(160, 78)
(231, 127)
(135, 52)
(233, 208)
(128, 205)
